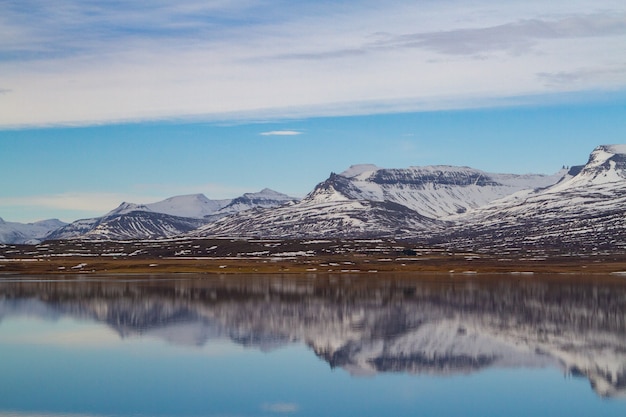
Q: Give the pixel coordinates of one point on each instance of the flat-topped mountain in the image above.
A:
(369, 201)
(580, 208)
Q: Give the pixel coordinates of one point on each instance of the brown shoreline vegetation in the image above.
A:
(232, 256)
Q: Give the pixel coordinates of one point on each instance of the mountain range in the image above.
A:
(168, 218)
(459, 207)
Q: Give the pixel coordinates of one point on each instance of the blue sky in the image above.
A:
(102, 102)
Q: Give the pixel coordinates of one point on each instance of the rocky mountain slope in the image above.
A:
(587, 209)
(323, 213)
(368, 201)
(458, 207)
(265, 198)
(171, 217)
(128, 226)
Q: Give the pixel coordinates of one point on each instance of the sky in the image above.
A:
(110, 101)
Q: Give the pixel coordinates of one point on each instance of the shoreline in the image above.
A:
(330, 256)
(448, 265)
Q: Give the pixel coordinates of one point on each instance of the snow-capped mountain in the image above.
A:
(194, 205)
(326, 211)
(13, 232)
(171, 217)
(583, 207)
(200, 207)
(141, 225)
(265, 198)
(438, 191)
(587, 208)
(369, 201)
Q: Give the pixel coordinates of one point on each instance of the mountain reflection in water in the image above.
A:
(364, 324)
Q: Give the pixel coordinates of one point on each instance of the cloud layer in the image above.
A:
(76, 62)
(281, 133)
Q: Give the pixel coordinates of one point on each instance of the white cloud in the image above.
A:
(252, 59)
(281, 133)
(280, 407)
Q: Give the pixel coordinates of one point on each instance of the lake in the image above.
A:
(313, 345)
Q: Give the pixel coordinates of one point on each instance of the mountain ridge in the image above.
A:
(20, 233)
(585, 209)
(367, 201)
(457, 207)
(167, 218)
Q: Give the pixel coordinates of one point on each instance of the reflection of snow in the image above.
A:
(387, 326)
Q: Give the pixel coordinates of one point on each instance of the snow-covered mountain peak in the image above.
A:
(608, 157)
(50, 223)
(359, 170)
(335, 188)
(126, 208)
(439, 168)
(606, 165)
(267, 193)
(190, 205)
(614, 149)
(265, 198)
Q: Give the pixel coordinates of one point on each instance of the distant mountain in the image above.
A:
(266, 198)
(459, 207)
(586, 209)
(168, 218)
(194, 205)
(12, 232)
(134, 225)
(370, 201)
(326, 211)
(437, 191)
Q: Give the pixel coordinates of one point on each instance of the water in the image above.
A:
(366, 345)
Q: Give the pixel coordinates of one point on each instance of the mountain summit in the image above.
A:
(171, 217)
(369, 201)
(585, 209)
(459, 207)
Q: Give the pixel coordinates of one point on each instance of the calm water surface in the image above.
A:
(364, 345)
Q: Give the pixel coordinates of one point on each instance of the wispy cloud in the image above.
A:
(281, 133)
(582, 75)
(219, 59)
(515, 37)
